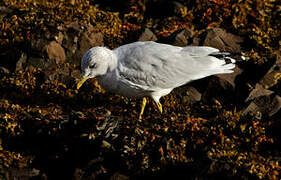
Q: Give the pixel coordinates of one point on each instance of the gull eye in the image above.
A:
(93, 66)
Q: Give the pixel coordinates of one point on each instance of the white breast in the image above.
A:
(112, 82)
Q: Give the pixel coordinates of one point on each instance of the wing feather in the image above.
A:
(154, 66)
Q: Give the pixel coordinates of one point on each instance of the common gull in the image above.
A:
(150, 69)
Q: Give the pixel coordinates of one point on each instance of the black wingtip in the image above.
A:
(229, 57)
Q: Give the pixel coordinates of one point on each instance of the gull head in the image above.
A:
(94, 63)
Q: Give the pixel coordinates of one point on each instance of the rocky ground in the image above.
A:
(221, 126)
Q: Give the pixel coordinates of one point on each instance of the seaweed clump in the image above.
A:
(32, 18)
(217, 140)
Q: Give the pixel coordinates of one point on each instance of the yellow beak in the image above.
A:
(81, 81)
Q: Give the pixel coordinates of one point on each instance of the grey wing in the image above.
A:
(153, 66)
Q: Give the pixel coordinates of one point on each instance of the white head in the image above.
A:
(95, 62)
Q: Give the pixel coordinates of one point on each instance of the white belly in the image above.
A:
(117, 86)
(120, 87)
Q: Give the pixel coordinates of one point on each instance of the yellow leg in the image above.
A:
(159, 105)
(142, 107)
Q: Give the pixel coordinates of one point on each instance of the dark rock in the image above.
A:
(118, 176)
(38, 62)
(55, 52)
(76, 44)
(9, 58)
(147, 35)
(23, 174)
(258, 92)
(90, 39)
(273, 76)
(53, 67)
(195, 41)
(70, 43)
(221, 87)
(267, 105)
(220, 39)
(192, 95)
(231, 77)
(74, 26)
(275, 106)
(37, 47)
(22, 62)
(4, 72)
(253, 109)
(182, 38)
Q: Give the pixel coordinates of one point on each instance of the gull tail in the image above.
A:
(210, 61)
(228, 57)
(229, 60)
(223, 62)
